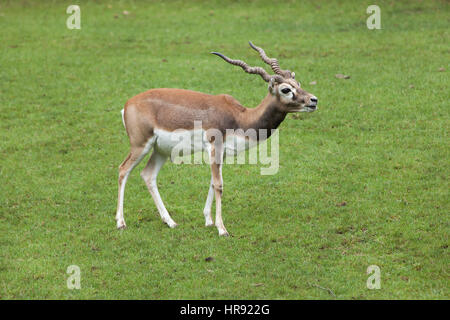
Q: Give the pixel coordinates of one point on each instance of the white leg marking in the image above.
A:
(219, 222)
(149, 174)
(216, 171)
(119, 215)
(207, 210)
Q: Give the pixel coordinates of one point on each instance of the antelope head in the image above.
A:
(282, 85)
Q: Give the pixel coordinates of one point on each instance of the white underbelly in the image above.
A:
(186, 142)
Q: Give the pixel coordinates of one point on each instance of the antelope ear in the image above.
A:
(293, 75)
(272, 85)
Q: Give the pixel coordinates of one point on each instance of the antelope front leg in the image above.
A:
(207, 210)
(216, 171)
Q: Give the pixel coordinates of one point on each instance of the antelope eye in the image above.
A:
(286, 90)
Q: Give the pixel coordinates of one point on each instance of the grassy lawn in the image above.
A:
(362, 181)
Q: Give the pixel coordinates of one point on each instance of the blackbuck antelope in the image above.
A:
(150, 119)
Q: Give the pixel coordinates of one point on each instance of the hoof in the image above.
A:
(223, 233)
(172, 224)
(209, 224)
(121, 224)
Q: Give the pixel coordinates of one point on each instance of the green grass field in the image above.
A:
(378, 142)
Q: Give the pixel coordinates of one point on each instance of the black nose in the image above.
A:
(313, 100)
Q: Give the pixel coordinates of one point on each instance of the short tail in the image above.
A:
(123, 119)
